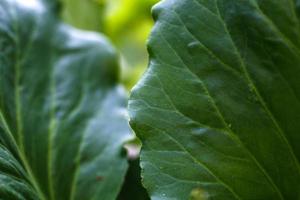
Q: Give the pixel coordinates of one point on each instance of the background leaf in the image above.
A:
(218, 109)
(84, 14)
(62, 113)
(126, 22)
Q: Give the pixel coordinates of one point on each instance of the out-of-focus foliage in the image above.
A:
(84, 14)
(126, 22)
(62, 111)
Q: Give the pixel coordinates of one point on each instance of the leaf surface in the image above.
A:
(87, 15)
(218, 110)
(62, 113)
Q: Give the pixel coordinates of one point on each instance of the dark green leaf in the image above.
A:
(218, 110)
(132, 187)
(62, 113)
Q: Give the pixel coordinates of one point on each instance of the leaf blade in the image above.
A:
(62, 110)
(205, 68)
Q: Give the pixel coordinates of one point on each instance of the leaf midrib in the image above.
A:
(19, 143)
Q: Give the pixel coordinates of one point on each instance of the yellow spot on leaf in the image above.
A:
(198, 194)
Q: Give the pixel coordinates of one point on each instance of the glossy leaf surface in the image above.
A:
(218, 110)
(62, 113)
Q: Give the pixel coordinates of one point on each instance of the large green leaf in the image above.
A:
(62, 113)
(218, 109)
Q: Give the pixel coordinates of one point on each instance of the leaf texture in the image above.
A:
(62, 113)
(218, 110)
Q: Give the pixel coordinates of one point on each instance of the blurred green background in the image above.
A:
(127, 23)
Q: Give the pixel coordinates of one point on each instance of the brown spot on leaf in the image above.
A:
(99, 178)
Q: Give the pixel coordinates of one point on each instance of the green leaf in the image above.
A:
(62, 113)
(84, 14)
(132, 188)
(218, 110)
